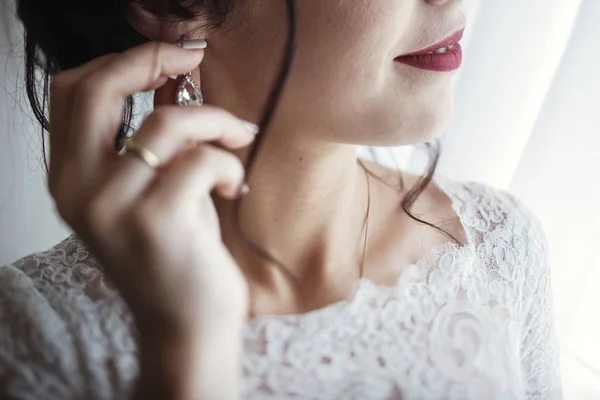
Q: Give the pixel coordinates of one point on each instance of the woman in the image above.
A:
(342, 293)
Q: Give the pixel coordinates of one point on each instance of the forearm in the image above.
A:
(219, 364)
(200, 363)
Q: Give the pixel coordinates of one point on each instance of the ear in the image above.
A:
(157, 29)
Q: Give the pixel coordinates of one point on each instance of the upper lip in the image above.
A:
(451, 40)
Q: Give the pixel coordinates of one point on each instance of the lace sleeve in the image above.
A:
(29, 368)
(539, 348)
(63, 333)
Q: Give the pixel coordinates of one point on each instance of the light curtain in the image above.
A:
(526, 119)
(527, 107)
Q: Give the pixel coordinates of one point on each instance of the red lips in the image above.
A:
(452, 40)
(451, 60)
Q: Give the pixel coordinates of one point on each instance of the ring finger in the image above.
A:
(171, 129)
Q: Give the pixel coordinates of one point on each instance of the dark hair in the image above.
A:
(64, 34)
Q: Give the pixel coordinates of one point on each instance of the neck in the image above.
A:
(307, 199)
(306, 208)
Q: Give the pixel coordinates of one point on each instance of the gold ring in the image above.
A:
(149, 157)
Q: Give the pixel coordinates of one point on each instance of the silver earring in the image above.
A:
(188, 92)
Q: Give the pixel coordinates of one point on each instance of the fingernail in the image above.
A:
(244, 189)
(194, 44)
(173, 77)
(250, 127)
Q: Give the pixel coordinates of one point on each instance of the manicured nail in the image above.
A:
(173, 77)
(250, 127)
(244, 189)
(194, 44)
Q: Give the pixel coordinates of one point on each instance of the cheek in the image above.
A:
(345, 82)
(342, 38)
(356, 34)
(346, 48)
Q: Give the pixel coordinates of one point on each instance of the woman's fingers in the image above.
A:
(99, 96)
(169, 126)
(192, 177)
(73, 75)
(138, 68)
(173, 129)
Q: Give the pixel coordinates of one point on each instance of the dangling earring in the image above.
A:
(184, 96)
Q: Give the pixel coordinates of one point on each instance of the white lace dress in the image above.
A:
(465, 322)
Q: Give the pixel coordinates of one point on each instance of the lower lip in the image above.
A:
(448, 61)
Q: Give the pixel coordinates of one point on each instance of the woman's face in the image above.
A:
(344, 85)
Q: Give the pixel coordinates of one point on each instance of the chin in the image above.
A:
(428, 124)
(418, 118)
(420, 127)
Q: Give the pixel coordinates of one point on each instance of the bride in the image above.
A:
(235, 246)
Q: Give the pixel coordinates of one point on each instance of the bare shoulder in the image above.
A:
(433, 205)
(456, 207)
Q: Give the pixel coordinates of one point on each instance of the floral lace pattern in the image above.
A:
(465, 322)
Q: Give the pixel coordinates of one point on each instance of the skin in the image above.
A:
(308, 196)
(164, 236)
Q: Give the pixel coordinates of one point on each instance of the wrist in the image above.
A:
(182, 363)
(189, 318)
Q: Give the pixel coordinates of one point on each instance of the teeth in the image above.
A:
(442, 50)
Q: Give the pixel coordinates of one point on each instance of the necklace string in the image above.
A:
(366, 223)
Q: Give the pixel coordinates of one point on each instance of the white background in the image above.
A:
(527, 106)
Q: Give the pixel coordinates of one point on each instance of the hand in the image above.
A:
(155, 231)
